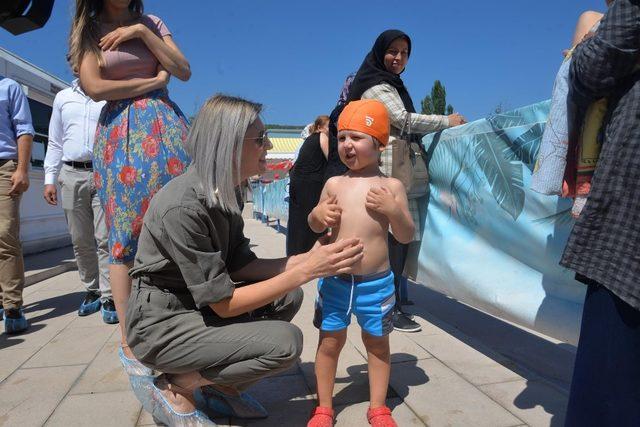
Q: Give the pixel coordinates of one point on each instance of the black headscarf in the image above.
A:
(373, 72)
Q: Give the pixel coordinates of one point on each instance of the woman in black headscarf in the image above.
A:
(379, 78)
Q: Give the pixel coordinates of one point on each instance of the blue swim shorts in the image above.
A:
(370, 297)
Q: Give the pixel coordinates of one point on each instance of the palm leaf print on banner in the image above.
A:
(504, 176)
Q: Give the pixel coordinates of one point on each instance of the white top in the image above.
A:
(72, 130)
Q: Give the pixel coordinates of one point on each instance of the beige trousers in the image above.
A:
(11, 262)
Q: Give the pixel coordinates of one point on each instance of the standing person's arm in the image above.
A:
(420, 123)
(163, 48)
(100, 89)
(53, 157)
(601, 63)
(585, 23)
(23, 128)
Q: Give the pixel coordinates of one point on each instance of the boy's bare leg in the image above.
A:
(378, 356)
(329, 346)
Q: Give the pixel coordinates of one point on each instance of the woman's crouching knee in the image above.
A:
(287, 347)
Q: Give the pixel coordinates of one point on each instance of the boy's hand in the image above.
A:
(381, 200)
(328, 212)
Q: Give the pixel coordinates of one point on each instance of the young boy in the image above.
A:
(361, 203)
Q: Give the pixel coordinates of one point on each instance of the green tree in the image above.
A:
(436, 103)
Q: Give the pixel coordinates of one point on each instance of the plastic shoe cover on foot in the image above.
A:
(133, 366)
(14, 325)
(243, 406)
(321, 417)
(381, 417)
(90, 305)
(155, 403)
(109, 317)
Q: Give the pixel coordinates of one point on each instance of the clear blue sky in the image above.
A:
(293, 56)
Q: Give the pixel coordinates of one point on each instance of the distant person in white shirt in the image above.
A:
(71, 134)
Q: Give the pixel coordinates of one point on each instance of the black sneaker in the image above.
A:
(402, 323)
(90, 305)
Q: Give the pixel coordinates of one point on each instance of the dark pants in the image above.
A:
(397, 258)
(605, 390)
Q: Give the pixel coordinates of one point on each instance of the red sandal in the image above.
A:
(321, 417)
(381, 417)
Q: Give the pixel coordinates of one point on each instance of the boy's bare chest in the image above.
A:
(355, 215)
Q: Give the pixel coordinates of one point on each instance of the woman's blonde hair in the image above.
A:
(85, 31)
(215, 145)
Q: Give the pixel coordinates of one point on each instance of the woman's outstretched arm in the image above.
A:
(322, 261)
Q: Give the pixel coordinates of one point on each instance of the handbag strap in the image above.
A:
(406, 126)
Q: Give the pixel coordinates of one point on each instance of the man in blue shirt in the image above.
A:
(16, 137)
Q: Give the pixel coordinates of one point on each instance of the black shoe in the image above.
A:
(90, 305)
(403, 323)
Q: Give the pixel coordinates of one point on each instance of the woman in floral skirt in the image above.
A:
(126, 58)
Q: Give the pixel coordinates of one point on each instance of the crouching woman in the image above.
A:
(189, 316)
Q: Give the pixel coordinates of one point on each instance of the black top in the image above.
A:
(605, 241)
(335, 167)
(311, 163)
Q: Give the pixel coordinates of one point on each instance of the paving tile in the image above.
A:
(66, 282)
(91, 321)
(403, 349)
(473, 365)
(120, 408)
(534, 402)
(12, 358)
(47, 303)
(352, 381)
(356, 414)
(104, 374)
(288, 400)
(29, 396)
(71, 347)
(440, 397)
(37, 335)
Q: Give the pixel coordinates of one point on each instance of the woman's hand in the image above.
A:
(331, 259)
(120, 35)
(456, 119)
(328, 212)
(162, 77)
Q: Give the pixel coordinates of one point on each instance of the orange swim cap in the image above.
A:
(367, 116)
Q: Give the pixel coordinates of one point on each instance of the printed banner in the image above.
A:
(491, 242)
(488, 240)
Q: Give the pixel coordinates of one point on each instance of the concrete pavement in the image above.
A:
(65, 371)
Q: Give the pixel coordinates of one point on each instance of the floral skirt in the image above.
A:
(138, 149)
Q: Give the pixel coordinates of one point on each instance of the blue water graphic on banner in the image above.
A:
(491, 242)
(488, 240)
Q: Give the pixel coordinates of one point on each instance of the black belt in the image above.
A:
(3, 161)
(80, 165)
